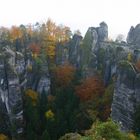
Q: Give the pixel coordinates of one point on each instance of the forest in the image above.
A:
(56, 85)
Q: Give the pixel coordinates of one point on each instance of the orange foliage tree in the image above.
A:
(90, 89)
(15, 33)
(35, 48)
(64, 75)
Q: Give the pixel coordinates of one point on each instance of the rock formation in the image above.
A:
(124, 99)
(134, 36)
(93, 54)
(10, 90)
(15, 76)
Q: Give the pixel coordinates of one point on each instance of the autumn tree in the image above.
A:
(51, 34)
(3, 137)
(106, 102)
(63, 33)
(64, 75)
(95, 98)
(31, 115)
(90, 92)
(90, 88)
(15, 33)
(35, 48)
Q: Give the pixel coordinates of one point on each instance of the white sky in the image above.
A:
(77, 14)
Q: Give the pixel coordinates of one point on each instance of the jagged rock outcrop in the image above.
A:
(134, 36)
(127, 92)
(37, 75)
(4, 119)
(62, 54)
(124, 99)
(44, 81)
(10, 90)
(102, 31)
(136, 55)
(75, 50)
(137, 89)
(15, 77)
(90, 48)
(115, 59)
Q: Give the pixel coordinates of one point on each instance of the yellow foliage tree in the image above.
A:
(52, 34)
(49, 114)
(15, 33)
(51, 30)
(129, 57)
(3, 137)
(50, 51)
(131, 136)
(32, 95)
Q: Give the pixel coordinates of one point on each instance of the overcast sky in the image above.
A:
(77, 14)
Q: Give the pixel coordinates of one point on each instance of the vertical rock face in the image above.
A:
(75, 51)
(102, 32)
(127, 90)
(44, 81)
(134, 36)
(4, 119)
(10, 90)
(130, 36)
(62, 54)
(136, 55)
(137, 89)
(91, 48)
(15, 76)
(38, 77)
(112, 59)
(124, 99)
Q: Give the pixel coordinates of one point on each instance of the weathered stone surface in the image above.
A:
(94, 37)
(137, 89)
(4, 119)
(10, 90)
(75, 50)
(136, 55)
(62, 54)
(44, 81)
(102, 32)
(134, 36)
(126, 96)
